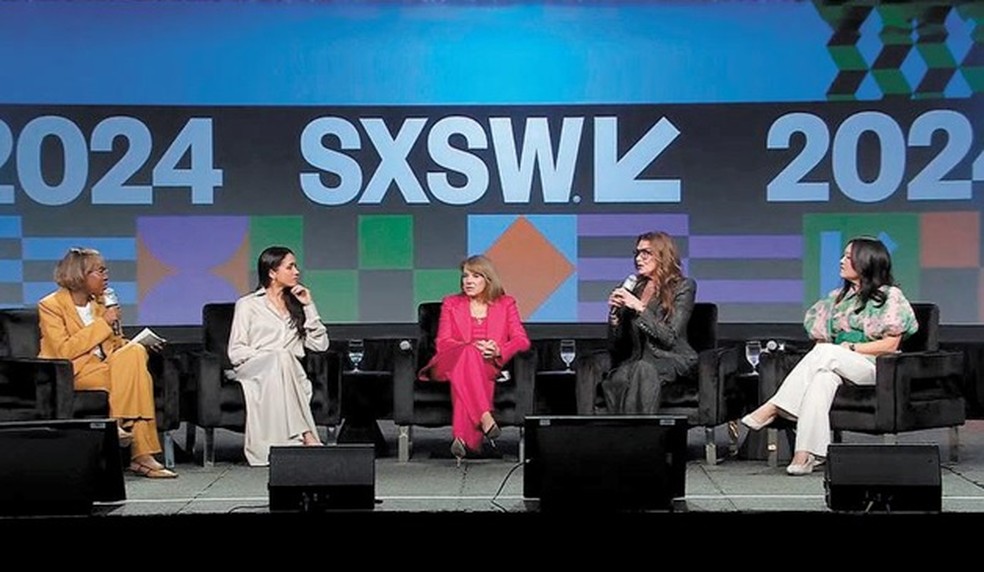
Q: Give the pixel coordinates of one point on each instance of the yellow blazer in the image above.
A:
(64, 336)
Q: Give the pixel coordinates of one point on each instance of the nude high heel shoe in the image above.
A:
(751, 423)
(798, 470)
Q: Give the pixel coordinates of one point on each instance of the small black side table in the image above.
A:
(762, 445)
(366, 396)
(755, 446)
(554, 393)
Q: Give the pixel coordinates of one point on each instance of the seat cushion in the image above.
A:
(91, 404)
(680, 393)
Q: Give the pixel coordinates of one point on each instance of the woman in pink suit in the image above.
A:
(479, 332)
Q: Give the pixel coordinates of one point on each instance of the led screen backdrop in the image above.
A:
(384, 142)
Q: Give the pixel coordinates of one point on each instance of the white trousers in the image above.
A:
(808, 391)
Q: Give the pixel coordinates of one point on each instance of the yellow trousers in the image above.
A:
(131, 394)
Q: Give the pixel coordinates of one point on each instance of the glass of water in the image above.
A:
(356, 350)
(753, 350)
(568, 351)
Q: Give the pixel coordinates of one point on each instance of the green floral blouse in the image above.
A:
(837, 322)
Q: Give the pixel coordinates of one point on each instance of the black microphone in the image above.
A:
(629, 284)
(110, 300)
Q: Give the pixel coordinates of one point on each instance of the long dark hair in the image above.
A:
(271, 259)
(669, 270)
(873, 264)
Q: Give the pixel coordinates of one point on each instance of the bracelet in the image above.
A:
(851, 347)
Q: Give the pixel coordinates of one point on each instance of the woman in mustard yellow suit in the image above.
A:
(77, 326)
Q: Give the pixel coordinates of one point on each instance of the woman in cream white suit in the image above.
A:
(76, 325)
(270, 329)
(478, 333)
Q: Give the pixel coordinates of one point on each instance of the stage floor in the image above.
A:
(431, 481)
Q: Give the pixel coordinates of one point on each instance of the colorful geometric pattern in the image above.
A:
(533, 256)
(179, 273)
(602, 247)
(27, 264)
(560, 268)
(872, 46)
(605, 243)
(936, 257)
(827, 234)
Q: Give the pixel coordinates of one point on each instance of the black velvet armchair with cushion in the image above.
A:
(32, 388)
(712, 396)
(919, 387)
(219, 400)
(428, 403)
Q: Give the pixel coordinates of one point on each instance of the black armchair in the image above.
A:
(219, 401)
(917, 388)
(33, 388)
(428, 403)
(713, 396)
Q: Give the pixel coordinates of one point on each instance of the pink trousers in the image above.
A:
(472, 379)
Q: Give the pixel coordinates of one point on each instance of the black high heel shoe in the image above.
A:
(493, 433)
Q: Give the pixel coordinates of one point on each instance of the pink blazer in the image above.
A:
(503, 324)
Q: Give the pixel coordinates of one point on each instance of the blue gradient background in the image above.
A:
(292, 53)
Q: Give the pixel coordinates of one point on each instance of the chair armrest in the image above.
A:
(51, 381)
(897, 373)
(207, 369)
(404, 375)
(324, 369)
(717, 386)
(524, 373)
(167, 388)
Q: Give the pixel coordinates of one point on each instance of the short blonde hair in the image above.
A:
(72, 269)
(482, 265)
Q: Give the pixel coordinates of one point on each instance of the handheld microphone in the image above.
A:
(110, 300)
(628, 284)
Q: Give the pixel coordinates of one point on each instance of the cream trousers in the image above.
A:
(808, 391)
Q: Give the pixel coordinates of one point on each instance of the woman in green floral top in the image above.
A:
(852, 326)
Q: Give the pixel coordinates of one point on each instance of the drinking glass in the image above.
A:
(356, 349)
(568, 352)
(753, 350)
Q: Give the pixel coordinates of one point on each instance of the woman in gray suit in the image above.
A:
(647, 329)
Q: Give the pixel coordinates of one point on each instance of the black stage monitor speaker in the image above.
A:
(605, 462)
(59, 466)
(314, 479)
(883, 478)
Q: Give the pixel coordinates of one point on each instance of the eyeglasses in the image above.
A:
(643, 254)
(101, 270)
